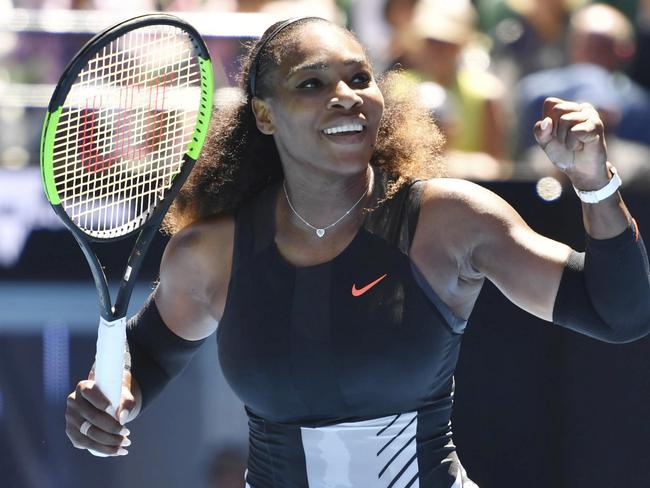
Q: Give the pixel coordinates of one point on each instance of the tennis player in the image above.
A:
(339, 270)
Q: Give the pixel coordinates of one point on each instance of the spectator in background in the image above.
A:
(529, 35)
(399, 15)
(380, 25)
(442, 51)
(600, 43)
(460, 164)
(628, 8)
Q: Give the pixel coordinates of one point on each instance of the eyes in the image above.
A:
(359, 80)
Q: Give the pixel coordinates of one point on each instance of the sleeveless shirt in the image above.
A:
(346, 367)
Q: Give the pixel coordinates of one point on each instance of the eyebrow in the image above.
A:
(323, 65)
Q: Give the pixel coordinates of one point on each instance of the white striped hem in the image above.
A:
(372, 453)
(376, 453)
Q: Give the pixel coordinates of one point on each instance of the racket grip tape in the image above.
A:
(109, 360)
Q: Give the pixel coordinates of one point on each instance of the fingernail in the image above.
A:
(126, 442)
(124, 414)
(125, 431)
(122, 452)
(545, 123)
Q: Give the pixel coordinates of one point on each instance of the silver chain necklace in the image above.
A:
(320, 231)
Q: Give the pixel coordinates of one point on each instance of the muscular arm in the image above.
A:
(185, 307)
(194, 275)
(486, 237)
(607, 299)
(604, 293)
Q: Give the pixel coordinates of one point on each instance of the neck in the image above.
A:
(322, 199)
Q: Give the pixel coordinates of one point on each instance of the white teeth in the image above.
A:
(344, 128)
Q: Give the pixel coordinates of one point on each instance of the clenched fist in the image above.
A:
(572, 136)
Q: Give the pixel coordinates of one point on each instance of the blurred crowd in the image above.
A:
(484, 67)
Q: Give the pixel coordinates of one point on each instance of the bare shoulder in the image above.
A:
(459, 191)
(468, 212)
(455, 215)
(194, 275)
(198, 246)
(466, 233)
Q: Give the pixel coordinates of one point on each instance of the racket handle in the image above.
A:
(109, 360)
(109, 363)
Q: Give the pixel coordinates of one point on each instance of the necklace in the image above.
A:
(320, 231)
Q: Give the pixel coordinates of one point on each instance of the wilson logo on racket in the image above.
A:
(103, 142)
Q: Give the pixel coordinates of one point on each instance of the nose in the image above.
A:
(344, 97)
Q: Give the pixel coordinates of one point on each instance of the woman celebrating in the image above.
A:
(339, 272)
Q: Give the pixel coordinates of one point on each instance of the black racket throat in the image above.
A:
(108, 311)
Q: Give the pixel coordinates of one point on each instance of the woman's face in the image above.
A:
(326, 107)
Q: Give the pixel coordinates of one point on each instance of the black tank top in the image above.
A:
(353, 355)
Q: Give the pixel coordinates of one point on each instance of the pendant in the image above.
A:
(320, 232)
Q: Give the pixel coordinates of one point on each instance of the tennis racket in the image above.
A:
(124, 127)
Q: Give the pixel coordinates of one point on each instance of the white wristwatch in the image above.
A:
(605, 192)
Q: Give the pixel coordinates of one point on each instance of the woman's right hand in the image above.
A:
(104, 434)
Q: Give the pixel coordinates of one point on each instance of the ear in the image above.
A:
(263, 116)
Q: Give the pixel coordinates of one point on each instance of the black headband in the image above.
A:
(256, 60)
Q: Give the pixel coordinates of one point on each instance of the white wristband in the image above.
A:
(605, 192)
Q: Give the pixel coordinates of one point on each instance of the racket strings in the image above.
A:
(176, 144)
(124, 129)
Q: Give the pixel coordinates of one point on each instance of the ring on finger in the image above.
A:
(85, 427)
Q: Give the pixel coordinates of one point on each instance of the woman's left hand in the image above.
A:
(572, 136)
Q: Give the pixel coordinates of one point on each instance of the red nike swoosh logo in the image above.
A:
(357, 292)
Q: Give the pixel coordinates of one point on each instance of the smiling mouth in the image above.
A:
(344, 130)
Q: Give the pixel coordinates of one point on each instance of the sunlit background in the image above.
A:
(536, 406)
